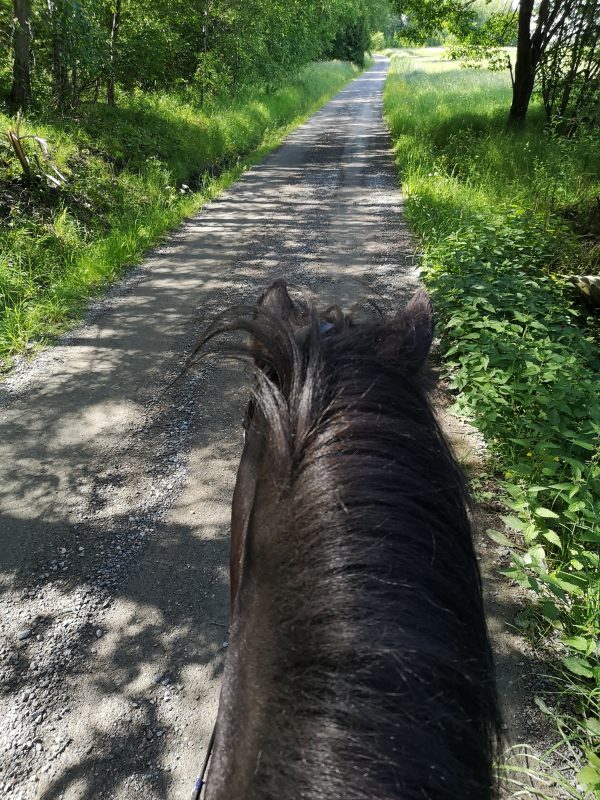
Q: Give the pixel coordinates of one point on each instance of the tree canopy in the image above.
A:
(558, 47)
(62, 51)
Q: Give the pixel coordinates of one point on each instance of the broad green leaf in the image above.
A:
(578, 643)
(589, 776)
(522, 442)
(514, 523)
(571, 582)
(553, 538)
(578, 666)
(549, 610)
(499, 538)
(592, 724)
(585, 445)
(590, 536)
(546, 513)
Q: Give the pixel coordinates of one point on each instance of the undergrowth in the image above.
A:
(502, 221)
(130, 173)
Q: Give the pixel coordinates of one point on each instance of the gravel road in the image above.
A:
(115, 483)
(115, 488)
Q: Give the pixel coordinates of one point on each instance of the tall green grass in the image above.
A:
(504, 218)
(132, 173)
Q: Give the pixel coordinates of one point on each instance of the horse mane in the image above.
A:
(359, 665)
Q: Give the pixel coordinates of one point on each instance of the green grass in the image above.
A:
(132, 173)
(505, 217)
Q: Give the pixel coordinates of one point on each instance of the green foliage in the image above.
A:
(211, 47)
(351, 38)
(377, 41)
(491, 208)
(432, 22)
(569, 69)
(132, 173)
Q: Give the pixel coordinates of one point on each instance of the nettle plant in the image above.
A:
(531, 377)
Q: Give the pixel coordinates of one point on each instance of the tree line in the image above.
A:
(63, 52)
(557, 48)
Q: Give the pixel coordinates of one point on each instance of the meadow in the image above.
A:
(120, 179)
(504, 219)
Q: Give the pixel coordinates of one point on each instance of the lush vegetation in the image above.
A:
(557, 48)
(505, 217)
(127, 174)
(62, 53)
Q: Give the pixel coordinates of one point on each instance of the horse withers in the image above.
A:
(359, 665)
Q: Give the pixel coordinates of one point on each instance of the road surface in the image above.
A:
(115, 488)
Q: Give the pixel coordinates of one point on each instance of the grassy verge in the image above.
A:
(504, 218)
(130, 174)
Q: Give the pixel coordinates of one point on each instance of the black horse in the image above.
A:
(359, 665)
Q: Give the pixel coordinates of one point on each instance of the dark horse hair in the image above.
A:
(359, 665)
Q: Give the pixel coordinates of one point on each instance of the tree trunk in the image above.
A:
(524, 67)
(59, 70)
(20, 93)
(114, 39)
(204, 51)
(74, 86)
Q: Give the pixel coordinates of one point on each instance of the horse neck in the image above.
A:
(358, 664)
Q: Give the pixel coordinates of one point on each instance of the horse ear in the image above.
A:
(412, 328)
(277, 301)
(420, 310)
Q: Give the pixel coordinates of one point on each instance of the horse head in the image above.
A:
(358, 663)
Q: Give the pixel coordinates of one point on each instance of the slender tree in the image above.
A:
(60, 36)
(114, 41)
(20, 94)
(531, 45)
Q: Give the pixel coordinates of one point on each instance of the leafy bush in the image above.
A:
(490, 206)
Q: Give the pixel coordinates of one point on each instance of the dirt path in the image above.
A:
(115, 489)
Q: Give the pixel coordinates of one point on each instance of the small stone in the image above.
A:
(225, 645)
(99, 634)
(24, 634)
